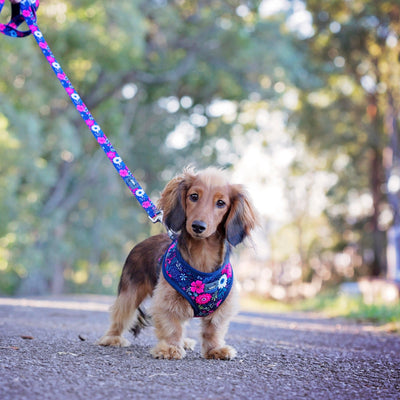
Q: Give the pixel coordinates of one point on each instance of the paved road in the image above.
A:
(47, 352)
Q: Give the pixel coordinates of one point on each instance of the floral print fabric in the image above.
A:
(204, 291)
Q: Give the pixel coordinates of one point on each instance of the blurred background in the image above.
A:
(299, 100)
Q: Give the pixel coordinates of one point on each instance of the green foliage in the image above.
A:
(350, 115)
(332, 304)
(150, 72)
(66, 220)
(335, 304)
(376, 313)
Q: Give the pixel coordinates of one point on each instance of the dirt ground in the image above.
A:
(47, 351)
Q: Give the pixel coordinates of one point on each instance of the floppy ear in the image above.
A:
(172, 201)
(241, 218)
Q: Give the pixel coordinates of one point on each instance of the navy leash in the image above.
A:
(26, 12)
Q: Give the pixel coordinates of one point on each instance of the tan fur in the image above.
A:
(225, 214)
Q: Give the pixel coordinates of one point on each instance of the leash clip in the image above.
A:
(157, 218)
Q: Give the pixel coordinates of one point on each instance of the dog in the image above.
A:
(189, 275)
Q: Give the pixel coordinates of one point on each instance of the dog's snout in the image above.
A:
(199, 226)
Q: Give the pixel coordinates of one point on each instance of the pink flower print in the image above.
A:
(146, 204)
(26, 13)
(80, 108)
(197, 287)
(123, 172)
(42, 45)
(50, 59)
(227, 270)
(203, 298)
(69, 90)
(111, 155)
(61, 76)
(89, 122)
(101, 139)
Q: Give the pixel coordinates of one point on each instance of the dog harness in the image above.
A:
(204, 291)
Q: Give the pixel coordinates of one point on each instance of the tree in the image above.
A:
(150, 73)
(353, 115)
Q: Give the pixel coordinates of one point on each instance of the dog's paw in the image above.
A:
(116, 341)
(221, 353)
(188, 344)
(168, 351)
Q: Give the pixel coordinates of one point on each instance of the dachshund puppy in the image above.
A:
(191, 275)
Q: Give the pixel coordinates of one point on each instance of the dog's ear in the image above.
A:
(241, 219)
(172, 200)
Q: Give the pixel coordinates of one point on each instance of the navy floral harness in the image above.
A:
(204, 291)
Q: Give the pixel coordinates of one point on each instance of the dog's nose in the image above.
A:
(199, 226)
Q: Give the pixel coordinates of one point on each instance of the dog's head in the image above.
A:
(205, 203)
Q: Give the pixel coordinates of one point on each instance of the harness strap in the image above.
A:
(28, 14)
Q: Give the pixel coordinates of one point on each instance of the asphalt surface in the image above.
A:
(47, 351)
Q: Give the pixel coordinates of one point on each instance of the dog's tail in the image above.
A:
(142, 320)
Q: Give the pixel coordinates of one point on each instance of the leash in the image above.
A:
(26, 12)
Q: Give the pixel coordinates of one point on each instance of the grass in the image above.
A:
(331, 304)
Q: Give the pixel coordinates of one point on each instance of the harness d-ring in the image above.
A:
(11, 29)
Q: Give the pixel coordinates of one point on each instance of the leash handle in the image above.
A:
(11, 29)
(28, 14)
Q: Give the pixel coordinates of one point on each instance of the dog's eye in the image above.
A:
(194, 197)
(220, 204)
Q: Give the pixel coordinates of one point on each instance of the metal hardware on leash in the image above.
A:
(157, 218)
(26, 12)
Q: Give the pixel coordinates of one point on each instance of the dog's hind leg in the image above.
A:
(138, 279)
(123, 312)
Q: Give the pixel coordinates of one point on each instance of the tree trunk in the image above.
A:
(378, 263)
(392, 165)
(377, 179)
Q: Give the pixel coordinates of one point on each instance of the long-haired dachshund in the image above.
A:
(190, 276)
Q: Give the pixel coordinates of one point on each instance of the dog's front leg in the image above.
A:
(213, 334)
(214, 328)
(169, 313)
(169, 331)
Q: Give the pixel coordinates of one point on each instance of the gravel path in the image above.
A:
(47, 352)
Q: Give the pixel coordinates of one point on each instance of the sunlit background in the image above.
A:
(298, 99)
